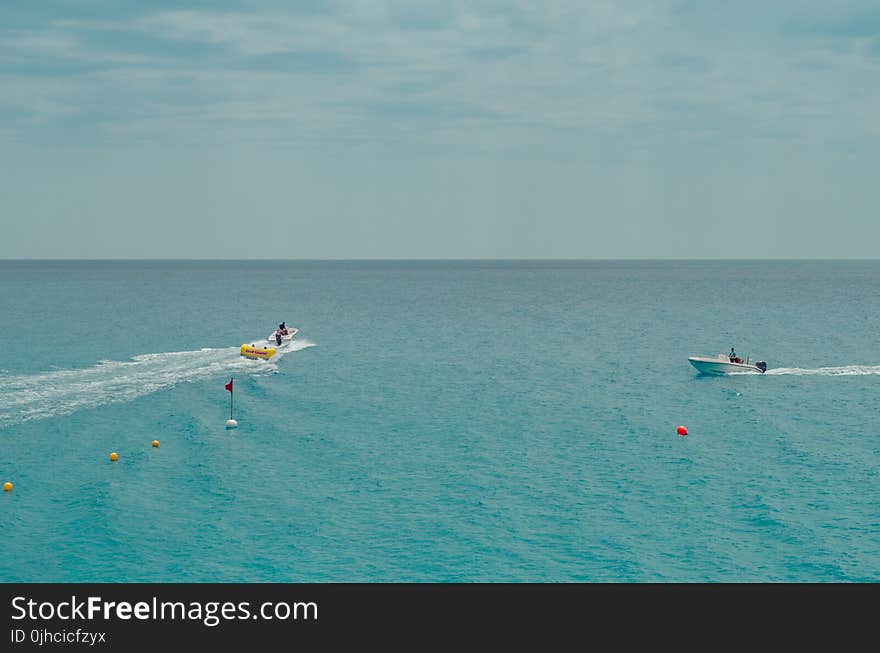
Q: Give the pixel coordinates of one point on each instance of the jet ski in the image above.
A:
(722, 364)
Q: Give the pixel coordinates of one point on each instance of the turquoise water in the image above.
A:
(439, 421)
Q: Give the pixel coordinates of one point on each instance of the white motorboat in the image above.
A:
(722, 364)
(285, 337)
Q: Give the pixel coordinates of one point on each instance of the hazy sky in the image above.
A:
(406, 129)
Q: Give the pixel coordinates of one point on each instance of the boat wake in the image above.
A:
(297, 345)
(61, 392)
(845, 370)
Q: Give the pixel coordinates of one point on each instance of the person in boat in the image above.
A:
(732, 355)
(282, 329)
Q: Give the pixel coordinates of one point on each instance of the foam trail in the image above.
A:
(61, 392)
(846, 370)
(299, 345)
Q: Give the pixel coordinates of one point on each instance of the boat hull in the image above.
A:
(707, 365)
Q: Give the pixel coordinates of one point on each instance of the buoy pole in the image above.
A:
(228, 386)
(230, 423)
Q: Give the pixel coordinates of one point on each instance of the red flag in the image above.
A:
(228, 386)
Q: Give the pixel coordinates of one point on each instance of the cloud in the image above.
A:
(841, 20)
(357, 69)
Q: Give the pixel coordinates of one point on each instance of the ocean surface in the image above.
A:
(439, 421)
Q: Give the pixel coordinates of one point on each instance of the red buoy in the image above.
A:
(682, 431)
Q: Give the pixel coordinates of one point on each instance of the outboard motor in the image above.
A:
(761, 365)
(278, 339)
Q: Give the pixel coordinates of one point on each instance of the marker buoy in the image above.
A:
(7, 487)
(155, 443)
(114, 456)
(231, 423)
(682, 431)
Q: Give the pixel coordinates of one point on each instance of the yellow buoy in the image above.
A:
(7, 487)
(155, 443)
(114, 456)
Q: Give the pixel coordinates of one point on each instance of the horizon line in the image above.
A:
(428, 260)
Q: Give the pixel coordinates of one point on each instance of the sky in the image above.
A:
(404, 129)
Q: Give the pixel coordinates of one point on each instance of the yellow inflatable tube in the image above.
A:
(249, 351)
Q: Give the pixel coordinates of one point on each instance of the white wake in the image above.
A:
(845, 370)
(50, 394)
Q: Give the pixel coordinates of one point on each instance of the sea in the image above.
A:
(450, 421)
